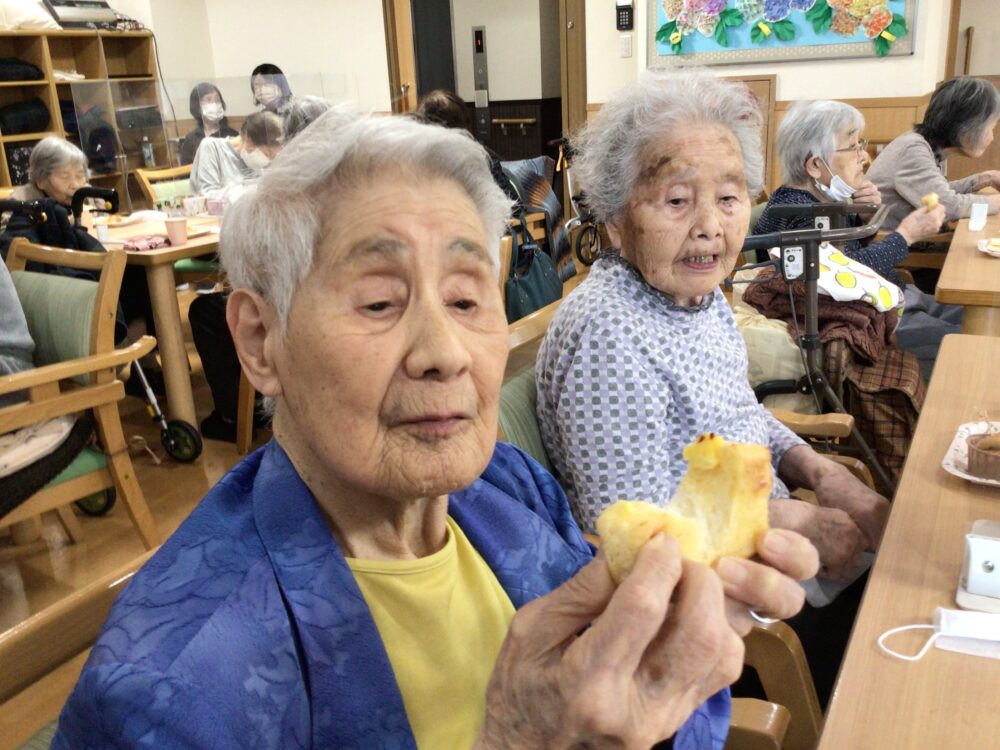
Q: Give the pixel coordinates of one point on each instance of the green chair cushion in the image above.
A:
(196, 265)
(88, 461)
(42, 739)
(517, 416)
(170, 190)
(59, 310)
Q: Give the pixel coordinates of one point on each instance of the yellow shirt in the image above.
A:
(442, 619)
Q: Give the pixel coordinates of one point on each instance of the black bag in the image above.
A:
(12, 69)
(533, 282)
(31, 116)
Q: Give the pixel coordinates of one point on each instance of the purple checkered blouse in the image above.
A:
(626, 379)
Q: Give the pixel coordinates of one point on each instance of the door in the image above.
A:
(435, 57)
(399, 50)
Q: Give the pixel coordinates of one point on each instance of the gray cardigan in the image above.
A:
(906, 170)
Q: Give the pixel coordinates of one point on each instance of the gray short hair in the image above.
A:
(50, 155)
(269, 237)
(811, 129)
(610, 148)
(303, 111)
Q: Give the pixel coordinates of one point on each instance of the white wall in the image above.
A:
(183, 19)
(984, 16)
(912, 75)
(333, 48)
(513, 49)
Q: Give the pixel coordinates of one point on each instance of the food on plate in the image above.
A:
(984, 456)
(930, 200)
(993, 243)
(718, 510)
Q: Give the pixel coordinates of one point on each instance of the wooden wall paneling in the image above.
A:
(765, 88)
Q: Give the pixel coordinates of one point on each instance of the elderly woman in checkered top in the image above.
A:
(644, 355)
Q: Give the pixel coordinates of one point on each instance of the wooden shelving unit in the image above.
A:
(119, 70)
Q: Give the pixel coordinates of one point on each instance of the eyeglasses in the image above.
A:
(861, 147)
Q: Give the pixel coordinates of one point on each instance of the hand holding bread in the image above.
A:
(719, 516)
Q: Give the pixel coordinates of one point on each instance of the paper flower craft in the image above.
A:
(708, 17)
(768, 17)
(845, 17)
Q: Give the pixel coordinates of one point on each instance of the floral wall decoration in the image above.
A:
(718, 32)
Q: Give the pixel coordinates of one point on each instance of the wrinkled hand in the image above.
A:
(867, 193)
(769, 587)
(656, 648)
(921, 223)
(838, 488)
(837, 539)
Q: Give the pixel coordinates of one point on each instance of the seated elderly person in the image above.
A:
(372, 563)
(644, 355)
(822, 159)
(960, 119)
(222, 165)
(301, 113)
(56, 170)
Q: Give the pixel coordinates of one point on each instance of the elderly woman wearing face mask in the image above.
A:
(224, 163)
(645, 355)
(383, 573)
(208, 109)
(960, 119)
(822, 158)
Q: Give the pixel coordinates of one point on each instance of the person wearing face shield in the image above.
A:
(222, 165)
(270, 89)
(208, 109)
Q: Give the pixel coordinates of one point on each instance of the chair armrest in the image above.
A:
(757, 725)
(53, 373)
(815, 425)
(856, 466)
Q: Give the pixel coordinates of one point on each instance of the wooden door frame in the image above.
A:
(397, 100)
(954, 19)
(573, 64)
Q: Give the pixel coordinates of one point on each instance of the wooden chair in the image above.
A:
(49, 639)
(72, 323)
(160, 185)
(244, 414)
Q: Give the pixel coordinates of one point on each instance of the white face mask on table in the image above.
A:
(964, 631)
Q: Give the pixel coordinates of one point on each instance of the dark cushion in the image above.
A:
(31, 116)
(12, 69)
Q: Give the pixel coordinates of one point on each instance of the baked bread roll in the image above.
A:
(930, 200)
(718, 510)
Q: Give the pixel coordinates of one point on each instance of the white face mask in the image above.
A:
(975, 633)
(212, 112)
(256, 159)
(268, 94)
(838, 190)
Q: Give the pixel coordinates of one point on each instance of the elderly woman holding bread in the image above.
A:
(644, 355)
(383, 556)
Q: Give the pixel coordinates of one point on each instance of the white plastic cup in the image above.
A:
(103, 234)
(177, 231)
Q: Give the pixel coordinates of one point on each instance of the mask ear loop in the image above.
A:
(920, 654)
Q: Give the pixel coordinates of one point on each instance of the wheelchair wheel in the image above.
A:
(181, 441)
(587, 244)
(98, 504)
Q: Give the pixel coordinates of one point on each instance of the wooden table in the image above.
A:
(946, 700)
(972, 279)
(159, 265)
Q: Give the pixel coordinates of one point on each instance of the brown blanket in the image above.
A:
(861, 326)
(880, 385)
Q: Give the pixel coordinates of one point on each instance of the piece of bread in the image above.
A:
(718, 510)
(984, 457)
(930, 200)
